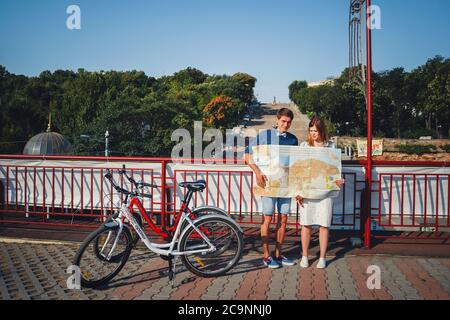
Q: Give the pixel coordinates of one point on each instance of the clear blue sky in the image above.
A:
(277, 41)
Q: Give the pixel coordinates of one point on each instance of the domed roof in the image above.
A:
(48, 143)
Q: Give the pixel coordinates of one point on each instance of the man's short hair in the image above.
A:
(285, 112)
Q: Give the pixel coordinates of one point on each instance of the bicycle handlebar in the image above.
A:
(139, 184)
(108, 176)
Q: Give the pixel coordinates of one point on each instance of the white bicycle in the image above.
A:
(208, 242)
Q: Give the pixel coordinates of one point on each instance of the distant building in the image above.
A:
(48, 143)
(321, 83)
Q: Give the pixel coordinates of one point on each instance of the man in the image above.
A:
(276, 136)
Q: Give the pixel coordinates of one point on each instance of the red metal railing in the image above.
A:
(68, 185)
(46, 194)
(432, 214)
(403, 190)
(73, 195)
(244, 197)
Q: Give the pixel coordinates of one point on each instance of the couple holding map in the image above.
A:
(310, 172)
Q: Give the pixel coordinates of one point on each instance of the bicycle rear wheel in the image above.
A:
(224, 235)
(96, 258)
(197, 213)
(207, 211)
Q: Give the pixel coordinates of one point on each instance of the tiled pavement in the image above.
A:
(36, 270)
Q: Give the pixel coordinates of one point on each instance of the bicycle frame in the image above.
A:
(194, 233)
(162, 249)
(136, 203)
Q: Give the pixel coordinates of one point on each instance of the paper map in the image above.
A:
(292, 170)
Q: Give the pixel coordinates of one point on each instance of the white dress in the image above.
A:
(316, 212)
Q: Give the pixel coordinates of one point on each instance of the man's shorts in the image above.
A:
(283, 205)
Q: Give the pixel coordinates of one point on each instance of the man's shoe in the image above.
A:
(322, 263)
(284, 261)
(304, 262)
(271, 263)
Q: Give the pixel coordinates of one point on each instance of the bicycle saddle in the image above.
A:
(194, 186)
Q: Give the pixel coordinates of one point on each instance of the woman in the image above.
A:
(316, 212)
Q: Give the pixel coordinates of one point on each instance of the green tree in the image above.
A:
(296, 86)
(140, 112)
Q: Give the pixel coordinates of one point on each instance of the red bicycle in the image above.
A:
(208, 241)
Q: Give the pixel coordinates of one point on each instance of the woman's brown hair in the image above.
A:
(320, 125)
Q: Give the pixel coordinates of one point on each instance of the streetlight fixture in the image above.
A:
(107, 143)
(86, 136)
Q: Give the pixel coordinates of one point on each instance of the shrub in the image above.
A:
(446, 148)
(416, 149)
(416, 133)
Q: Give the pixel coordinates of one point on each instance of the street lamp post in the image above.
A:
(86, 136)
(107, 143)
(367, 226)
(362, 76)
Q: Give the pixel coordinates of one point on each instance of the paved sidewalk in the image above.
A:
(37, 270)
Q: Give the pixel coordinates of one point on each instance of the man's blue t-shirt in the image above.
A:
(272, 136)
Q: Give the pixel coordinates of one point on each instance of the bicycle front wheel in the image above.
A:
(224, 234)
(103, 254)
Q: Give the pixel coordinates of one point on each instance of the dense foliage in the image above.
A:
(405, 104)
(140, 112)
